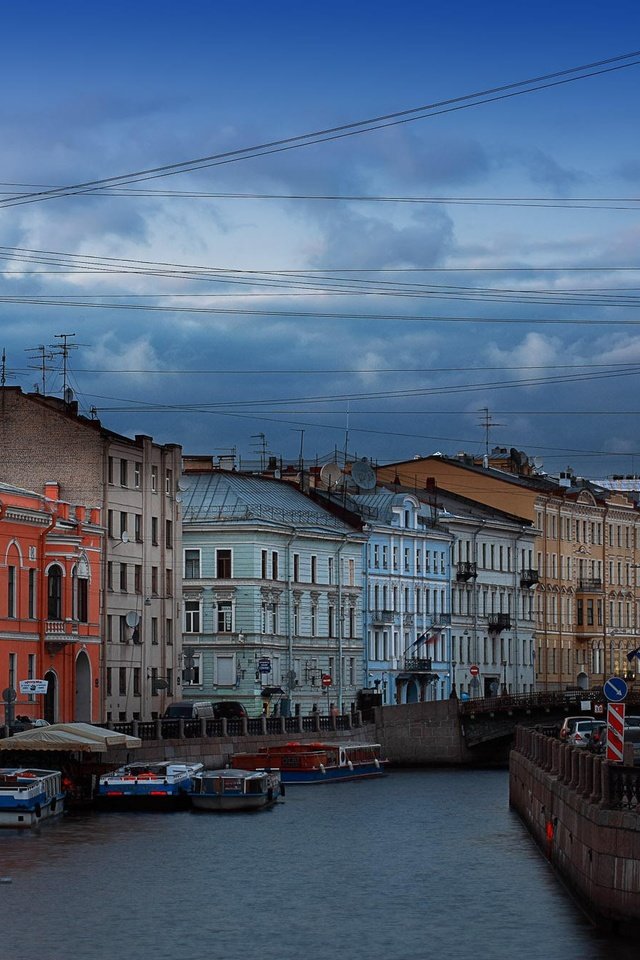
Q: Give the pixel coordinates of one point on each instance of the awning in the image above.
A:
(71, 737)
(272, 692)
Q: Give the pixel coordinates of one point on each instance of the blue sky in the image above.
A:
(93, 91)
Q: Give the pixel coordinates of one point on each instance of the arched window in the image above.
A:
(81, 591)
(54, 581)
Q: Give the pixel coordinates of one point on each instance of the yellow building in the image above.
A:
(587, 613)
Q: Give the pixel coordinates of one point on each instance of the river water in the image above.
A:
(420, 864)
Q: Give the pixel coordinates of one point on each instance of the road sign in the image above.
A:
(264, 665)
(9, 694)
(34, 686)
(615, 689)
(474, 670)
(326, 680)
(615, 732)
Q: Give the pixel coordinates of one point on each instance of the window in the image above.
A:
(11, 591)
(169, 675)
(154, 531)
(109, 575)
(314, 620)
(192, 616)
(123, 630)
(110, 470)
(109, 628)
(168, 632)
(124, 473)
(32, 594)
(136, 475)
(265, 560)
(82, 599)
(137, 527)
(137, 578)
(123, 577)
(274, 565)
(154, 631)
(123, 524)
(154, 580)
(224, 616)
(296, 568)
(122, 680)
(223, 564)
(110, 522)
(269, 617)
(168, 583)
(168, 482)
(191, 564)
(109, 687)
(54, 586)
(332, 620)
(31, 674)
(136, 681)
(330, 573)
(154, 479)
(168, 534)
(314, 569)
(352, 573)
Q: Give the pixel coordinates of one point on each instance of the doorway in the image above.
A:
(82, 706)
(51, 697)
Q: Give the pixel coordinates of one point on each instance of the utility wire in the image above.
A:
(353, 128)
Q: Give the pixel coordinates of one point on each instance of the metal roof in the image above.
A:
(220, 496)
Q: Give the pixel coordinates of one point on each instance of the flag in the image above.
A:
(633, 653)
(422, 637)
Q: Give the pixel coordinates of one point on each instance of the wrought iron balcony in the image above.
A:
(382, 616)
(528, 578)
(418, 665)
(499, 621)
(590, 585)
(466, 570)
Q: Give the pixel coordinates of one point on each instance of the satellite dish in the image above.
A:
(363, 475)
(124, 537)
(331, 474)
(132, 618)
(182, 484)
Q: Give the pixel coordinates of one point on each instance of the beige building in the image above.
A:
(587, 616)
(134, 483)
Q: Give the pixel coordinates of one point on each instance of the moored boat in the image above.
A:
(316, 762)
(165, 782)
(235, 789)
(29, 795)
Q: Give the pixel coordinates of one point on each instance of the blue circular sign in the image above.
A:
(615, 689)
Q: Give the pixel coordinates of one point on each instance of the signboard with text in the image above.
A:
(34, 686)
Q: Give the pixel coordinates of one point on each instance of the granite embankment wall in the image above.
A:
(422, 734)
(584, 813)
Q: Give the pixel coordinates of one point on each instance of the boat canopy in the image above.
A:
(74, 737)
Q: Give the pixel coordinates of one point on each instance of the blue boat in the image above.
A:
(232, 789)
(325, 762)
(162, 783)
(29, 795)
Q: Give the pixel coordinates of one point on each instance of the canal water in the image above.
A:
(420, 864)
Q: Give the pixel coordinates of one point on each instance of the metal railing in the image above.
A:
(173, 729)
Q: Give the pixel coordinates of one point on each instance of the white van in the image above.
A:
(188, 710)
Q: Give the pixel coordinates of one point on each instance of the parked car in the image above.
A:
(229, 709)
(569, 724)
(22, 723)
(189, 710)
(582, 732)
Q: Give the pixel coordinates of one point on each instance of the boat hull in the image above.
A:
(29, 796)
(228, 802)
(333, 774)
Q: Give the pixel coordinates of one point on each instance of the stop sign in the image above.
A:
(474, 670)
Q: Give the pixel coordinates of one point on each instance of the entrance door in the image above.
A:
(412, 692)
(51, 697)
(82, 709)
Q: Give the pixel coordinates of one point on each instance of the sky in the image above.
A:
(466, 276)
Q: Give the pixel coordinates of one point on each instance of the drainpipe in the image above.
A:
(43, 598)
(475, 591)
(339, 621)
(516, 597)
(290, 613)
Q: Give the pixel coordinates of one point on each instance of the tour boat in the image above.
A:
(316, 762)
(234, 789)
(29, 795)
(153, 784)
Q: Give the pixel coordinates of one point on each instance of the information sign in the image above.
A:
(34, 686)
(264, 665)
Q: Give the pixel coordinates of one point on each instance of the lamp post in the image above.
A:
(454, 692)
(504, 678)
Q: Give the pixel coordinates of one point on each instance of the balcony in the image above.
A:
(382, 616)
(498, 621)
(528, 578)
(417, 665)
(466, 570)
(59, 634)
(591, 585)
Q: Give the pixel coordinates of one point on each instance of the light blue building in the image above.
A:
(406, 597)
(272, 596)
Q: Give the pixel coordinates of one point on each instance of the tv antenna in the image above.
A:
(263, 447)
(488, 423)
(63, 351)
(42, 355)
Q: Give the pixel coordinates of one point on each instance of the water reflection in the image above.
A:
(420, 864)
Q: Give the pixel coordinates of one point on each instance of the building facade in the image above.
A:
(272, 597)
(50, 571)
(133, 483)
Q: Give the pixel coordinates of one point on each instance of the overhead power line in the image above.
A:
(353, 128)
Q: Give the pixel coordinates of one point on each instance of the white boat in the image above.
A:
(235, 789)
(29, 795)
(153, 784)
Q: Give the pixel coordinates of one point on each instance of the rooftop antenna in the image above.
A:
(263, 448)
(42, 355)
(488, 422)
(300, 458)
(63, 351)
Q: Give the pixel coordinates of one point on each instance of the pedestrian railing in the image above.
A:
(179, 729)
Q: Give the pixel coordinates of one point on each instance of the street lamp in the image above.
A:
(454, 692)
(504, 678)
